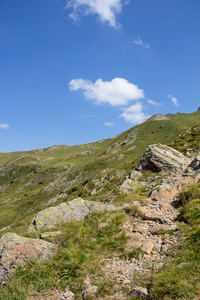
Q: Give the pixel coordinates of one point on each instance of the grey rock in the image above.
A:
(3, 273)
(75, 210)
(17, 251)
(140, 292)
(181, 265)
(68, 295)
(102, 225)
(135, 175)
(172, 228)
(195, 164)
(161, 157)
(91, 290)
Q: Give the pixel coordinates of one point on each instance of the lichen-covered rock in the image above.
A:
(135, 175)
(17, 251)
(75, 210)
(50, 235)
(131, 184)
(158, 157)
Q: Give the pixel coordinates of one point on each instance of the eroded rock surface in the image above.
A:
(16, 251)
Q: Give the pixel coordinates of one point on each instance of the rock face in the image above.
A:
(157, 157)
(16, 251)
(75, 210)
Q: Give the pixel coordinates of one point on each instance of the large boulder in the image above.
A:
(161, 157)
(75, 210)
(17, 251)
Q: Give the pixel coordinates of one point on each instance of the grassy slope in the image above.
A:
(80, 246)
(26, 177)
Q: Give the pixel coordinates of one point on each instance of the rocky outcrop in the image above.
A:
(17, 251)
(161, 157)
(75, 210)
(170, 186)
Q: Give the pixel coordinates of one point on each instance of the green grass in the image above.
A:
(81, 247)
(30, 179)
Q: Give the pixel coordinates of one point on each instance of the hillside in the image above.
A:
(131, 235)
(33, 180)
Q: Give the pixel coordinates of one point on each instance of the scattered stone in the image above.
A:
(93, 192)
(158, 266)
(51, 234)
(87, 280)
(195, 164)
(91, 290)
(135, 175)
(148, 246)
(68, 295)
(102, 225)
(130, 185)
(141, 228)
(182, 265)
(17, 251)
(140, 292)
(172, 228)
(157, 243)
(126, 281)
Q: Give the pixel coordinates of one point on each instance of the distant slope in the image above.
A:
(157, 117)
(40, 178)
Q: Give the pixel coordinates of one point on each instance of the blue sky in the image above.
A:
(78, 71)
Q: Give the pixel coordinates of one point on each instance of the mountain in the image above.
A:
(33, 180)
(114, 219)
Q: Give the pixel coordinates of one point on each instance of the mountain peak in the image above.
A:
(157, 117)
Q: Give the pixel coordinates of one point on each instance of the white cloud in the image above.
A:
(105, 9)
(134, 114)
(118, 91)
(109, 124)
(141, 43)
(4, 126)
(153, 102)
(173, 99)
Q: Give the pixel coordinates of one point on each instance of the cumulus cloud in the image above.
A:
(139, 42)
(116, 92)
(109, 124)
(153, 102)
(105, 9)
(173, 99)
(4, 126)
(134, 114)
